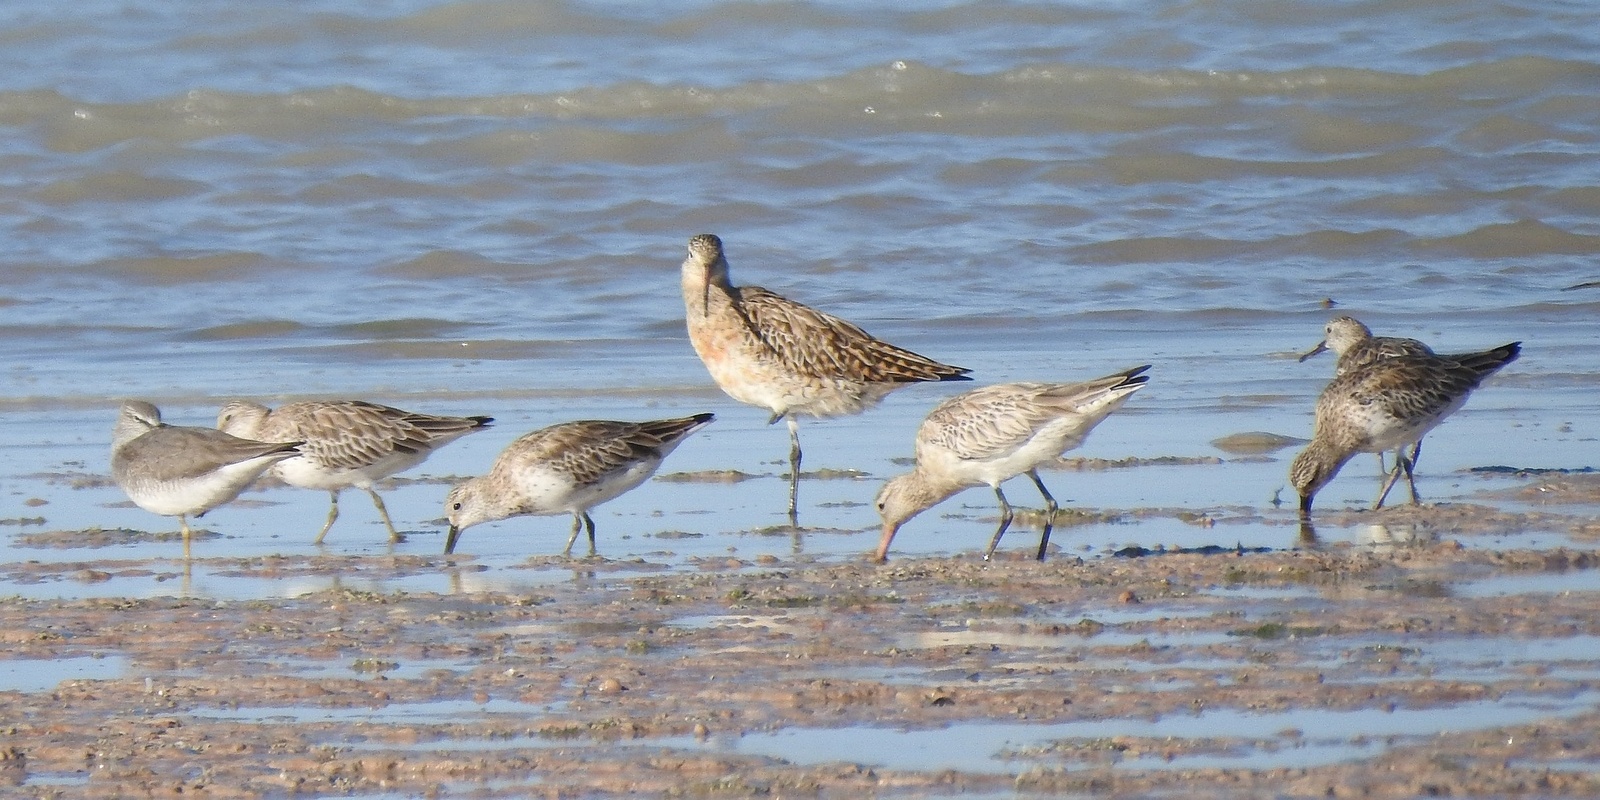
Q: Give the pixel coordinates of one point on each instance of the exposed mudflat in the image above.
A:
(1387, 669)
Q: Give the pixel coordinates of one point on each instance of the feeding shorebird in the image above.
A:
(791, 359)
(347, 443)
(988, 435)
(566, 468)
(176, 471)
(1388, 404)
(1353, 346)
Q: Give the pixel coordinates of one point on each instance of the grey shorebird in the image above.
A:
(1388, 404)
(178, 471)
(347, 443)
(988, 435)
(567, 468)
(790, 359)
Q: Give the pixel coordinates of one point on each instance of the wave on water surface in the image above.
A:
(909, 95)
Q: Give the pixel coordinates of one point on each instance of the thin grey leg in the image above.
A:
(394, 535)
(588, 522)
(1394, 475)
(333, 514)
(1005, 522)
(794, 471)
(1411, 469)
(1049, 512)
(577, 523)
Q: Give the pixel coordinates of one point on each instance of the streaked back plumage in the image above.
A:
(993, 433)
(765, 350)
(351, 442)
(1385, 404)
(348, 443)
(569, 467)
(772, 352)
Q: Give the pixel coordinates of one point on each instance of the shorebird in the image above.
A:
(175, 470)
(1354, 346)
(771, 352)
(1388, 404)
(347, 443)
(566, 468)
(988, 435)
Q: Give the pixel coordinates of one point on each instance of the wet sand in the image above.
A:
(480, 208)
(1429, 667)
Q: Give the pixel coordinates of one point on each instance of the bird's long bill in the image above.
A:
(883, 543)
(1321, 346)
(705, 296)
(450, 538)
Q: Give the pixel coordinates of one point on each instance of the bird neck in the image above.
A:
(1316, 465)
(929, 489)
(703, 282)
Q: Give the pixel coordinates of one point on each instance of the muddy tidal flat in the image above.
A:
(480, 209)
(1428, 668)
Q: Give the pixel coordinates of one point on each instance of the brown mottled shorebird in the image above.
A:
(566, 468)
(1388, 404)
(791, 359)
(347, 443)
(176, 471)
(988, 435)
(1353, 346)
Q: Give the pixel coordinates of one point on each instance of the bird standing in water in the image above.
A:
(566, 469)
(178, 470)
(347, 443)
(790, 359)
(988, 435)
(1387, 404)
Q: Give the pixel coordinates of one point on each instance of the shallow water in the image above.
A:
(39, 675)
(1005, 747)
(393, 204)
(478, 207)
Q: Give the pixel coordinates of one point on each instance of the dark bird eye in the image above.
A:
(455, 507)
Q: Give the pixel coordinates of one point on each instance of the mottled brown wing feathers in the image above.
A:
(590, 450)
(355, 434)
(986, 422)
(821, 345)
(1381, 347)
(666, 431)
(1414, 387)
(991, 421)
(1488, 362)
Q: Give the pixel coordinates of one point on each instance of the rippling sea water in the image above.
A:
(479, 207)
